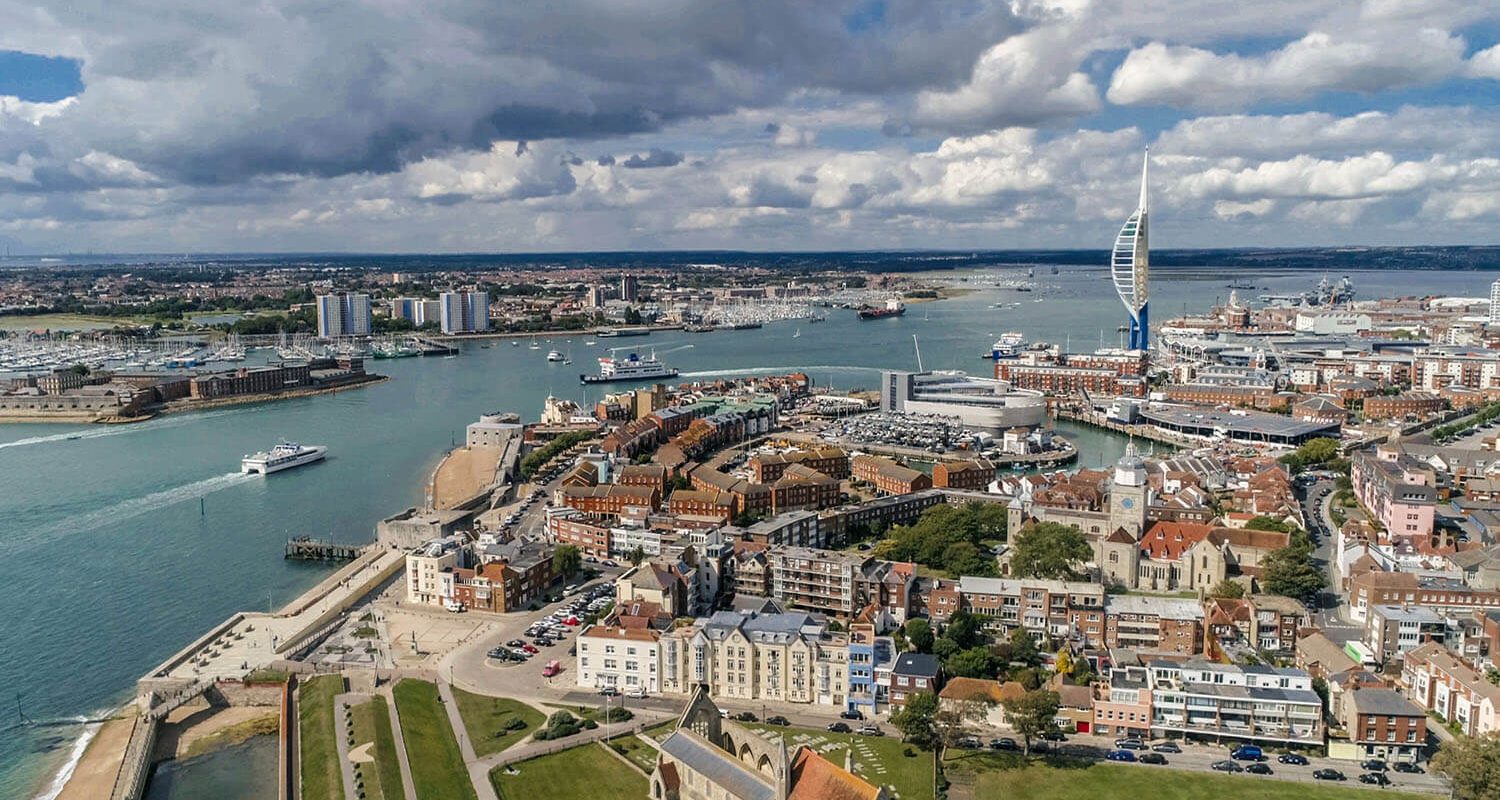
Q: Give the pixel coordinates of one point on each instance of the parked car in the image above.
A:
(1327, 774)
(970, 743)
(778, 720)
(636, 692)
(514, 643)
(530, 648)
(1247, 752)
(1120, 755)
(871, 730)
(1130, 744)
(1166, 747)
(1372, 765)
(1152, 758)
(852, 713)
(744, 716)
(1004, 743)
(609, 691)
(1293, 758)
(1259, 768)
(1409, 767)
(1375, 778)
(839, 727)
(1226, 766)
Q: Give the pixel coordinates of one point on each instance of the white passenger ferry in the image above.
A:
(283, 456)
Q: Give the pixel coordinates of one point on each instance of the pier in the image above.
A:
(303, 548)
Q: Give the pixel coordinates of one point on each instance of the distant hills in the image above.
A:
(1323, 259)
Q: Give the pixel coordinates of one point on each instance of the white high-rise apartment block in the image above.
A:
(1495, 303)
(464, 312)
(343, 314)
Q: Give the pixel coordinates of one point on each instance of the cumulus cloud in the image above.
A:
(1366, 61)
(1485, 63)
(1027, 79)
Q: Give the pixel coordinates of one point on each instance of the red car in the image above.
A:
(530, 648)
(571, 621)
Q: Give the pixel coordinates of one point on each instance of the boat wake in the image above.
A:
(104, 431)
(714, 373)
(134, 507)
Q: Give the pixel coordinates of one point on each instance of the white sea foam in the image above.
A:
(104, 431)
(75, 755)
(715, 373)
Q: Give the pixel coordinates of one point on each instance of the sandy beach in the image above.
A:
(94, 776)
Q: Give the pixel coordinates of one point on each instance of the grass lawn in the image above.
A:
(1000, 775)
(486, 718)
(437, 766)
(321, 779)
(880, 760)
(586, 771)
(660, 730)
(372, 723)
(639, 752)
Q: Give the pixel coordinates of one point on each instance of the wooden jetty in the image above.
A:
(305, 548)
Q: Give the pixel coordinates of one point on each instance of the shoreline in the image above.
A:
(186, 406)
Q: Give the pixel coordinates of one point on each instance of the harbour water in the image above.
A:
(123, 544)
(237, 772)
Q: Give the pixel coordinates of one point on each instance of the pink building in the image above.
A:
(1122, 705)
(1398, 491)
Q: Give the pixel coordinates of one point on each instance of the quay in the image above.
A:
(304, 548)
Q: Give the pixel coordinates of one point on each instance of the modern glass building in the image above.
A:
(1129, 268)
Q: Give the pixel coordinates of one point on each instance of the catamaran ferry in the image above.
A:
(283, 456)
(630, 368)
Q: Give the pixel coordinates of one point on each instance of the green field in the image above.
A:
(63, 322)
(321, 778)
(637, 750)
(437, 766)
(880, 760)
(486, 719)
(372, 723)
(587, 771)
(983, 775)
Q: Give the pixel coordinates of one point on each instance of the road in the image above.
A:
(1198, 758)
(1331, 615)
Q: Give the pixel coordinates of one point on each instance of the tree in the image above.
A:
(1264, 523)
(953, 717)
(963, 558)
(1290, 571)
(916, 720)
(567, 560)
(945, 648)
(1227, 588)
(919, 635)
(1031, 714)
(1050, 550)
(976, 662)
(1472, 764)
(1023, 648)
(1064, 662)
(637, 555)
(962, 629)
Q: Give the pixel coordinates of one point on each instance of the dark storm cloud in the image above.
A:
(218, 91)
(653, 159)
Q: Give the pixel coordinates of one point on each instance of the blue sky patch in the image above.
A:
(38, 79)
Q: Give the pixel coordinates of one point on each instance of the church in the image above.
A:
(1132, 551)
(709, 757)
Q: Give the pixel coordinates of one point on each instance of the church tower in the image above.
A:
(1129, 494)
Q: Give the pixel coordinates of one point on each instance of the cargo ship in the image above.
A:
(893, 308)
(629, 368)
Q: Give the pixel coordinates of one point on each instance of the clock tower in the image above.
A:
(1129, 494)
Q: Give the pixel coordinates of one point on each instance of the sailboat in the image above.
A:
(798, 334)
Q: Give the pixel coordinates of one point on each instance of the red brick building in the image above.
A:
(976, 474)
(608, 499)
(830, 461)
(888, 476)
(702, 503)
(1416, 404)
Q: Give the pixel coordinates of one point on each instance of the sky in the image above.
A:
(515, 125)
